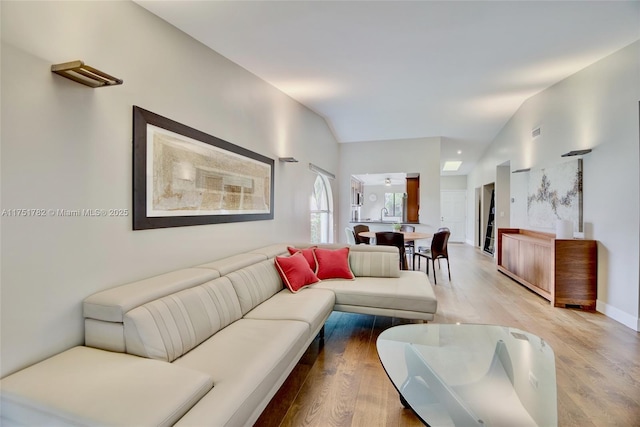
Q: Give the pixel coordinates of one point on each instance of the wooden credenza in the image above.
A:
(562, 271)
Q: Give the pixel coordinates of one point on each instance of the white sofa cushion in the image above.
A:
(235, 262)
(255, 284)
(273, 251)
(400, 294)
(248, 361)
(168, 327)
(85, 386)
(310, 305)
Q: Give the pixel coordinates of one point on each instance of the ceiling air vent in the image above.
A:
(536, 132)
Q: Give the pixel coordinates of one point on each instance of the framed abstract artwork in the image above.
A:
(182, 177)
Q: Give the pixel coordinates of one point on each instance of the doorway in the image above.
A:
(453, 205)
(488, 218)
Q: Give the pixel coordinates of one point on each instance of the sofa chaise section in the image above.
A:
(382, 297)
(90, 387)
(380, 288)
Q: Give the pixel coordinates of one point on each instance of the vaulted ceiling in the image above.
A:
(388, 70)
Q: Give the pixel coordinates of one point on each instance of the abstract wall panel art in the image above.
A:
(555, 193)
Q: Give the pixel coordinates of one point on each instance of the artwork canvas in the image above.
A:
(185, 177)
(555, 193)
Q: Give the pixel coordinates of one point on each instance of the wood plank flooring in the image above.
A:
(343, 384)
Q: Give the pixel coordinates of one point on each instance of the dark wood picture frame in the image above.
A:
(190, 149)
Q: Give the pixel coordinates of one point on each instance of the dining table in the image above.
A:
(409, 236)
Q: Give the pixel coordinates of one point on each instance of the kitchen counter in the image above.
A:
(377, 221)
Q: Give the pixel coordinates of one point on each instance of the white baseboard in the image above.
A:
(618, 315)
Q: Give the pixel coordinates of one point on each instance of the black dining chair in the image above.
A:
(437, 251)
(390, 238)
(437, 231)
(359, 229)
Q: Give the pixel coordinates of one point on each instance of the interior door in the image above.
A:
(453, 209)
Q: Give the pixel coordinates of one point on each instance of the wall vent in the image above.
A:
(536, 132)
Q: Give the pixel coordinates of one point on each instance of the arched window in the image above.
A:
(321, 211)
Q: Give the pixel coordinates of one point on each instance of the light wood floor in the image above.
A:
(343, 384)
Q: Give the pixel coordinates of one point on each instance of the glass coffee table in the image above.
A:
(471, 375)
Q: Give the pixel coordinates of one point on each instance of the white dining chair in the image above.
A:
(351, 237)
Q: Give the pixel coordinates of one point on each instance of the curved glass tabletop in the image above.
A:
(471, 375)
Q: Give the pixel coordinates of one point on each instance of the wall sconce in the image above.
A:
(576, 153)
(288, 159)
(521, 170)
(79, 72)
(387, 182)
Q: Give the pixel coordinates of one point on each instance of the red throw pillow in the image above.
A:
(333, 264)
(307, 254)
(295, 272)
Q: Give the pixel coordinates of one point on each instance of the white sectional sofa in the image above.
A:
(203, 346)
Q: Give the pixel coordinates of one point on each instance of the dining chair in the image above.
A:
(438, 250)
(443, 229)
(351, 237)
(391, 238)
(409, 246)
(359, 229)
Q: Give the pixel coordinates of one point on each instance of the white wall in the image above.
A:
(420, 155)
(595, 108)
(68, 146)
(453, 182)
(503, 199)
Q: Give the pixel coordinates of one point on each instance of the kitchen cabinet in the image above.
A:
(413, 199)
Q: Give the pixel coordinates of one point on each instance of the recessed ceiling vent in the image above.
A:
(536, 132)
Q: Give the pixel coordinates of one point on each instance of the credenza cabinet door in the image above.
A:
(543, 266)
(536, 264)
(511, 254)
